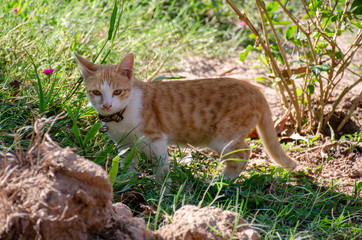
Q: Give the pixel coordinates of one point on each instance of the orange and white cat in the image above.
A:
(217, 113)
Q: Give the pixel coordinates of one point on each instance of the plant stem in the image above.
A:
(262, 8)
(339, 99)
(276, 69)
(352, 108)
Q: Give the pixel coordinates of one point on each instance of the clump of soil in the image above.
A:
(199, 223)
(52, 193)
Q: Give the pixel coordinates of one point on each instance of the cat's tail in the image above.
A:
(267, 133)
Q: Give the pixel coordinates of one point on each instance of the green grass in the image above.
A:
(45, 34)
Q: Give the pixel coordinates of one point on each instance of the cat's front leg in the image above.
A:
(157, 151)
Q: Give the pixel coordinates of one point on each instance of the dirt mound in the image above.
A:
(207, 223)
(52, 193)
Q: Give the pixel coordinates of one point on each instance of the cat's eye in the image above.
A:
(96, 92)
(117, 92)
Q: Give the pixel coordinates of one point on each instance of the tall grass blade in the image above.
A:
(39, 87)
(105, 57)
(131, 155)
(113, 20)
(163, 190)
(50, 93)
(76, 130)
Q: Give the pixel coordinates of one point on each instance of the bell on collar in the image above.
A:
(103, 128)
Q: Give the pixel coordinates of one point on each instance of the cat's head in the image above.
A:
(109, 87)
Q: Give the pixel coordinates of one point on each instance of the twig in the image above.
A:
(228, 71)
(199, 151)
(163, 63)
(348, 115)
(322, 146)
(328, 39)
(339, 99)
(285, 61)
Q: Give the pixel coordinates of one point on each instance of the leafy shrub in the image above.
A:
(305, 46)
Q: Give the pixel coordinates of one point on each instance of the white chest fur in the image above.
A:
(129, 129)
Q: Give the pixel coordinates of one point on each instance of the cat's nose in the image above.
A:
(107, 106)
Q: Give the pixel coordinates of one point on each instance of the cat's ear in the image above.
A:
(125, 68)
(87, 68)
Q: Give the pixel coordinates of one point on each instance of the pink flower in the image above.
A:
(242, 23)
(48, 71)
(15, 10)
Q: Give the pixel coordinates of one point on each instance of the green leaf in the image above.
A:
(91, 133)
(315, 5)
(320, 46)
(114, 170)
(272, 6)
(310, 89)
(317, 69)
(263, 59)
(298, 62)
(312, 80)
(281, 22)
(277, 54)
(356, 7)
(261, 79)
(315, 35)
(332, 131)
(295, 76)
(245, 52)
(297, 42)
(290, 32)
(301, 36)
(357, 24)
(252, 36)
(299, 92)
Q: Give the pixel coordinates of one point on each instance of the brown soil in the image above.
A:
(342, 162)
(199, 221)
(52, 193)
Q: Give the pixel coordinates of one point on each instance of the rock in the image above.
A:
(191, 223)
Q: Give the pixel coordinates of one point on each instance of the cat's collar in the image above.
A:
(115, 117)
